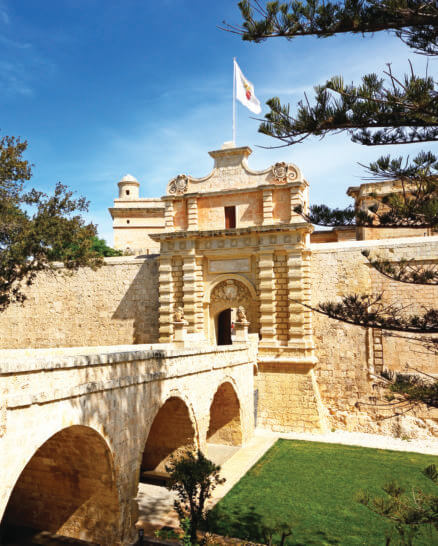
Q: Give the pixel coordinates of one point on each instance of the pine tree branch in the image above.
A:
(413, 21)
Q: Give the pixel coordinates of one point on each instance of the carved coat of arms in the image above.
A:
(178, 185)
(283, 173)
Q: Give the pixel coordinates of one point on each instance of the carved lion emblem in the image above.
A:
(178, 185)
(179, 314)
(283, 173)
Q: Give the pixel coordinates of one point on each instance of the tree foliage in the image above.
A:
(193, 477)
(409, 512)
(414, 21)
(36, 228)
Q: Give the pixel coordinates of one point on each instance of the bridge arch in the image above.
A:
(225, 426)
(173, 431)
(68, 487)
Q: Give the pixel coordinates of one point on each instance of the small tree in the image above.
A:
(193, 477)
(35, 228)
(409, 513)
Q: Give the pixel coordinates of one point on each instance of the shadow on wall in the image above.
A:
(140, 303)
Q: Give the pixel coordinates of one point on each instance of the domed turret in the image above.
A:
(129, 188)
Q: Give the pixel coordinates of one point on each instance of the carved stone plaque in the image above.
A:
(229, 266)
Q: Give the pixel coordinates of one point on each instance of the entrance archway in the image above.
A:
(226, 296)
(225, 426)
(67, 488)
(172, 433)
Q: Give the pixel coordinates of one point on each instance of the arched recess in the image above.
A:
(225, 426)
(230, 292)
(67, 488)
(171, 434)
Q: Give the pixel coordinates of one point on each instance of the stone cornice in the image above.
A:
(299, 226)
(136, 211)
(298, 185)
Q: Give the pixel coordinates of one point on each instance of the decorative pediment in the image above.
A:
(231, 172)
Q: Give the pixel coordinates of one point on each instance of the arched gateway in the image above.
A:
(226, 296)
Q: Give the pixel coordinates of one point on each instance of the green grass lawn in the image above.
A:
(312, 486)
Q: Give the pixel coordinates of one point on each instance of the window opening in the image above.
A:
(230, 217)
(127, 192)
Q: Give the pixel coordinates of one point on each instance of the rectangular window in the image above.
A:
(230, 217)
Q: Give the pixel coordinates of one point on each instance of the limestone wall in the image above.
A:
(350, 356)
(117, 304)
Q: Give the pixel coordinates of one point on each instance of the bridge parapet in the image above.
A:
(84, 370)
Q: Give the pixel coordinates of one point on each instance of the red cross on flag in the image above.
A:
(245, 91)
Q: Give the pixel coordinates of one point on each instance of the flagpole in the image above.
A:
(234, 101)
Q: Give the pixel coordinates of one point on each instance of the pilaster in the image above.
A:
(168, 215)
(166, 298)
(267, 298)
(189, 291)
(268, 218)
(296, 296)
(192, 213)
(297, 197)
(199, 293)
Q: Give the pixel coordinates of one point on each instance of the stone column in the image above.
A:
(192, 213)
(268, 218)
(168, 215)
(165, 299)
(189, 291)
(267, 298)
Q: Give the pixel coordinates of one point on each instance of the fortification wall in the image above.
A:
(349, 356)
(117, 304)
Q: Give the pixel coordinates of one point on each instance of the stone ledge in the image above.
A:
(374, 243)
(34, 360)
(44, 397)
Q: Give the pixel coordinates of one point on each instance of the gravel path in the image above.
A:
(429, 446)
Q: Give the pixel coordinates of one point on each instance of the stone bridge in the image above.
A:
(78, 425)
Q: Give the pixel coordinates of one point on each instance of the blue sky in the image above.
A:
(104, 88)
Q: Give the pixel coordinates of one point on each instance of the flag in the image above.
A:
(245, 91)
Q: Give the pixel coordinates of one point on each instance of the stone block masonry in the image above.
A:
(350, 357)
(117, 304)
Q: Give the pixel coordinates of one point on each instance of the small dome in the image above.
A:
(129, 178)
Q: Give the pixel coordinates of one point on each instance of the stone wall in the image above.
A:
(349, 356)
(117, 304)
